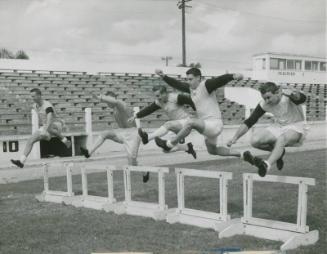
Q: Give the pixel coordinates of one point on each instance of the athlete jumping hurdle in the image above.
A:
(209, 119)
(173, 105)
(51, 126)
(126, 134)
(288, 129)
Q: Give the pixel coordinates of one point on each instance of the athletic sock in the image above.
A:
(268, 165)
(22, 159)
(169, 144)
(158, 133)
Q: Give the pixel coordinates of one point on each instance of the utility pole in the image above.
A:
(166, 58)
(181, 5)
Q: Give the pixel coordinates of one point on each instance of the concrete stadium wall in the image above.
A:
(317, 132)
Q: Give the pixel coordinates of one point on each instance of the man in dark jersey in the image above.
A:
(209, 119)
(288, 129)
(173, 105)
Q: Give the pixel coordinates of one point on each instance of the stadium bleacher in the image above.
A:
(71, 93)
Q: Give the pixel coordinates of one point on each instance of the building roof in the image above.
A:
(288, 54)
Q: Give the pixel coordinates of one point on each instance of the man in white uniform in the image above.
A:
(127, 134)
(173, 105)
(288, 129)
(51, 126)
(209, 120)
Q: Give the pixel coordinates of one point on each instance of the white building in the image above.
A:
(289, 68)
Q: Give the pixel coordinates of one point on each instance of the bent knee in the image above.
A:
(168, 125)
(211, 148)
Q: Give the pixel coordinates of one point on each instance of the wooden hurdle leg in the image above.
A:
(69, 199)
(41, 197)
(110, 205)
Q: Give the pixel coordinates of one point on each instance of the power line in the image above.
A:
(261, 15)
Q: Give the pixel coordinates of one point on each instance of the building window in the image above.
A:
(263, 63)
(298, 65)
(290, 64)
(274, 63)
(314, 66)
(307, 65)
(281, 64)
(323, 66)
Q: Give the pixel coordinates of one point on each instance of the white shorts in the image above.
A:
(278, 130)
(131, 140)
(212, 129)
(182, 121)
(57, 126)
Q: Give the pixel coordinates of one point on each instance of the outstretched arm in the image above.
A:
(147, 110)
(108, 99)
(215, 83)
(247, 124)
(181, 86)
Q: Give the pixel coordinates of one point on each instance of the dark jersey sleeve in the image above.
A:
(181, 86)
(49, 110)
(147, 110)
(183, 99)
(214, 83)
(297, 100)
(254, 117)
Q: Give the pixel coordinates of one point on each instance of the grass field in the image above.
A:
(27, 226)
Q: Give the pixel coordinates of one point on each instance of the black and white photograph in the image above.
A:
(163, 127)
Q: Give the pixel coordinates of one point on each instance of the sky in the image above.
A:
(219, 33)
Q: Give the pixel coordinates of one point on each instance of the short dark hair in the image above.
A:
(161, 88)
(268, 87)
(36, 90)
(194, 71)
(112, 94)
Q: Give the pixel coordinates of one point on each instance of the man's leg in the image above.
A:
(286, 139)
(56, 130)
(174, 126)
(37, 136)
(289, 138)
(105, 135)
(191, 124)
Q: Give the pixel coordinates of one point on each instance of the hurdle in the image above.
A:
(157, 211)
(56, 196)
(92, 201)
(204, 219)
(293, 235)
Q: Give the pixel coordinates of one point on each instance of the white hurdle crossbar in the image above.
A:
(53, 195)
(92, 201)
(293, 235)
(205, 219)
(157, 211)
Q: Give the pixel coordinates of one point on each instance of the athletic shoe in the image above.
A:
(190, 150)
(18, 163)
(146, 177)
(144, 136)
(68, 143)
(162, 143)
(261, 165)
(248, 157)
(85, 152)
(280, 162)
